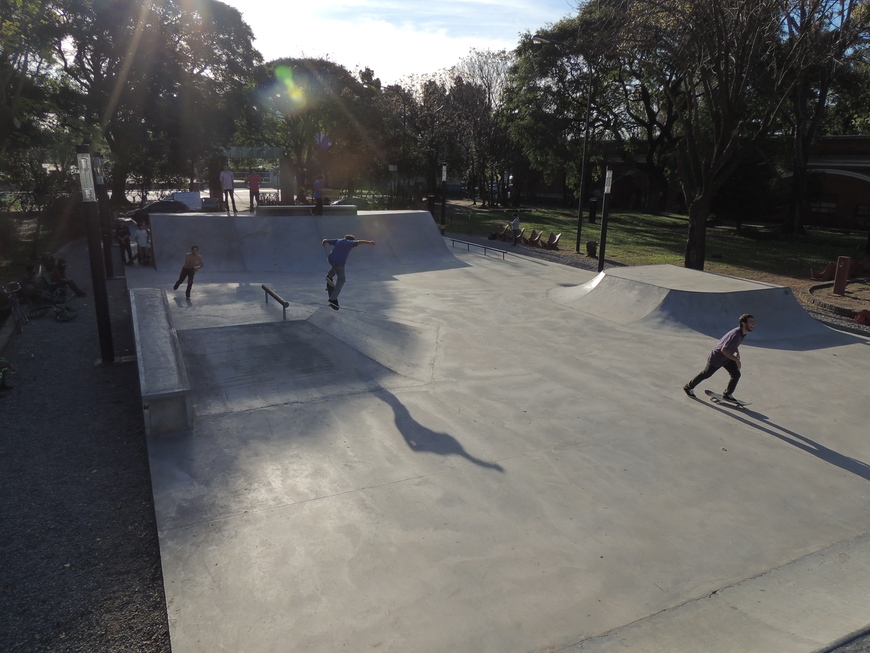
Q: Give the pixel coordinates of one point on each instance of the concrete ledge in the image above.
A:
(162, 377)
(306, 209)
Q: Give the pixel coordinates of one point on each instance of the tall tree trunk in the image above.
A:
(696, 243)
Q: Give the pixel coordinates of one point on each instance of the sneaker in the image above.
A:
(175, 287)
(728, 397)
(688, 390)
(333, 304)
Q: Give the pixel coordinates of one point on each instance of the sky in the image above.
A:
(395, 38)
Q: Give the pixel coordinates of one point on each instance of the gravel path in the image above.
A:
(81, 563)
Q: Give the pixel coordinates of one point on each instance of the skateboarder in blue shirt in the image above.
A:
(337, 259)
(725, 354)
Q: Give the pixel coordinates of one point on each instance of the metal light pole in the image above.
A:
(537, 38)
(98, 272)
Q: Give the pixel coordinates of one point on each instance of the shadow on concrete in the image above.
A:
(424, 440)
(846, 463)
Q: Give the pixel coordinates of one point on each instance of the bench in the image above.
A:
(162, 376)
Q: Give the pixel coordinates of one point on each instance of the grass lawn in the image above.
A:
(644, 239)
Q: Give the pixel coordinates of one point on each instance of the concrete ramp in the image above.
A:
(669, 298)
(251, 243)
(250, 366)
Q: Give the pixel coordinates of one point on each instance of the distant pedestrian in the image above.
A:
(254, 188)
(335, 278)
(318, 195)
(192, 262)
(142, 237)
(123, 235)
(725, 354)
(227, 186)
(515, 227)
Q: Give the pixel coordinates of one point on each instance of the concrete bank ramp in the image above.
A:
(666, 297)
(249, 243)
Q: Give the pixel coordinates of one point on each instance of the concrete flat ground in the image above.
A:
(477, 454)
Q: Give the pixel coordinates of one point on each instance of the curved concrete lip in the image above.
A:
(665, 297)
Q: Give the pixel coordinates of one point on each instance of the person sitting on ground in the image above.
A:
(59, 278)
(45, 271)
(30, 283)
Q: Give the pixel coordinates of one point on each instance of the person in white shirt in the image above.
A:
(227, 186)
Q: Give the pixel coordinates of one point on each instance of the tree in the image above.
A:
(164, 77)
(832, 30)
(479, 84)
(315, 110)
(736, 64)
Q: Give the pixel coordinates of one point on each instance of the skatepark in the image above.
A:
(486, 453)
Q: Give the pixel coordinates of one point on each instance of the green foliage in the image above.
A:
(646, 239)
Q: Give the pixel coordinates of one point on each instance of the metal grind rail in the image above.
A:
(485, 248)
(269, 292)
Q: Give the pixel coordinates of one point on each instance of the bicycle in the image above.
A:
(18, 316)
(62, 313)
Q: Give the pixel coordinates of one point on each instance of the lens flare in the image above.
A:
(295, 94)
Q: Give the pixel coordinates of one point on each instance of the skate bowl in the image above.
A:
(285, 243)
(668, 298)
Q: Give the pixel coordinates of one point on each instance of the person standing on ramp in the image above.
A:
(192, 262)
(725, 354)
(337, 259)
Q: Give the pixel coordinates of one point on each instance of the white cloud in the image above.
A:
(394, 39)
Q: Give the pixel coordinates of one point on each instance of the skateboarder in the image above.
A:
(192, 262)
(337, 259)
(725, 354)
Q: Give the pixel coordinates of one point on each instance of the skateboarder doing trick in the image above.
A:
(725, 354)
(337, 259)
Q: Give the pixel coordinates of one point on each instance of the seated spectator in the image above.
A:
(45, 271)
(59, 278)
(30, 284)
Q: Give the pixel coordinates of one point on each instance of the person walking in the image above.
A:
(318, 195)
(725, 354)
(141, 238)
(122, 235)
(335, 278)
(253, 188)
(192, 262)
(515, 227)
(227, 186)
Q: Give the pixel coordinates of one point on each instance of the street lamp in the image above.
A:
(540, 40)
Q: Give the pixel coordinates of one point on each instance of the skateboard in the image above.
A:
(716, 398)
